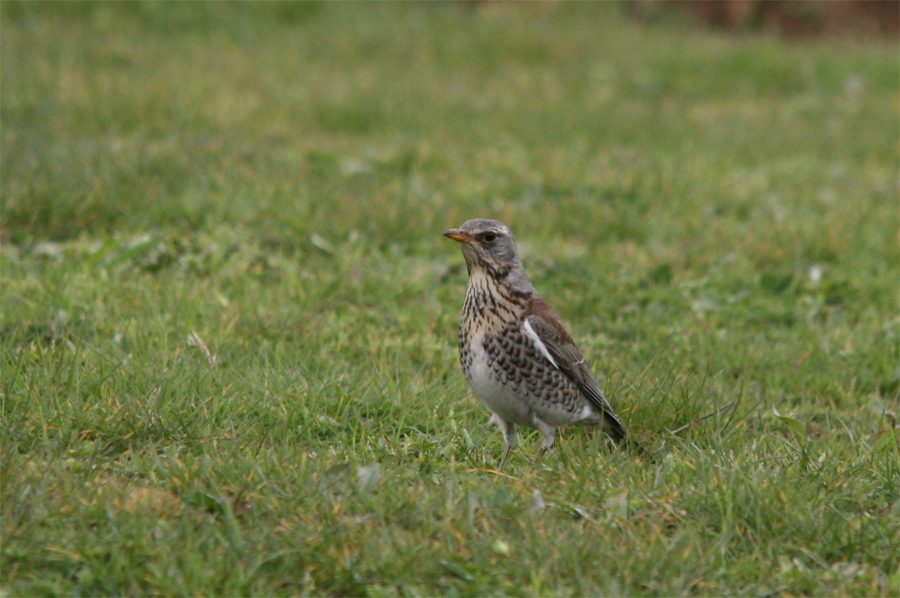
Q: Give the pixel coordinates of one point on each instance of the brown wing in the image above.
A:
(548, 326)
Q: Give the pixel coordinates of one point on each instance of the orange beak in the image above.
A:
(457, 235)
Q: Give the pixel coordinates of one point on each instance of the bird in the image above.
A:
(516, 353)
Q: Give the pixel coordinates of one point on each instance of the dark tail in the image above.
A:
(615, 430)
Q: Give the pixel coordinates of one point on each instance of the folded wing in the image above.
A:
(559, 348)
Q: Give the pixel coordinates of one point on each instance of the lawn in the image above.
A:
(228, 316)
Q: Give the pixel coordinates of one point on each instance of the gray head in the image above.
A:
(489, 246)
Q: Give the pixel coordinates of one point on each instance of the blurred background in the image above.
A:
(227, 308)
(815, 18)
(300, 117)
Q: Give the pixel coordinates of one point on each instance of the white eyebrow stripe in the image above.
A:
(529, 331)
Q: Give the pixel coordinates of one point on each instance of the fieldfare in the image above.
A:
(515, 350)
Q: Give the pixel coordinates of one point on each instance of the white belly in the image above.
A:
(500, 398)
(506, 401)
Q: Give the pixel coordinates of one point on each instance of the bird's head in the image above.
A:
(490, 246)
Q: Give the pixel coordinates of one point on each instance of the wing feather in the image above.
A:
(551, 332)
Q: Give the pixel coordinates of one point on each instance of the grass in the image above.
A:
(228, 314)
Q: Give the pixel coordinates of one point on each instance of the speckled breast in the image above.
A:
(504, 367)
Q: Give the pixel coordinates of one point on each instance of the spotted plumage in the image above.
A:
(515, 350)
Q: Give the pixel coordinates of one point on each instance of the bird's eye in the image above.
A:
(488, 237)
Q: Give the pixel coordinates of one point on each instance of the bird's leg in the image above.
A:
(548, 434)
(509, 435)
(505, 455)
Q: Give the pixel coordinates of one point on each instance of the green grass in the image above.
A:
(716, 218)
